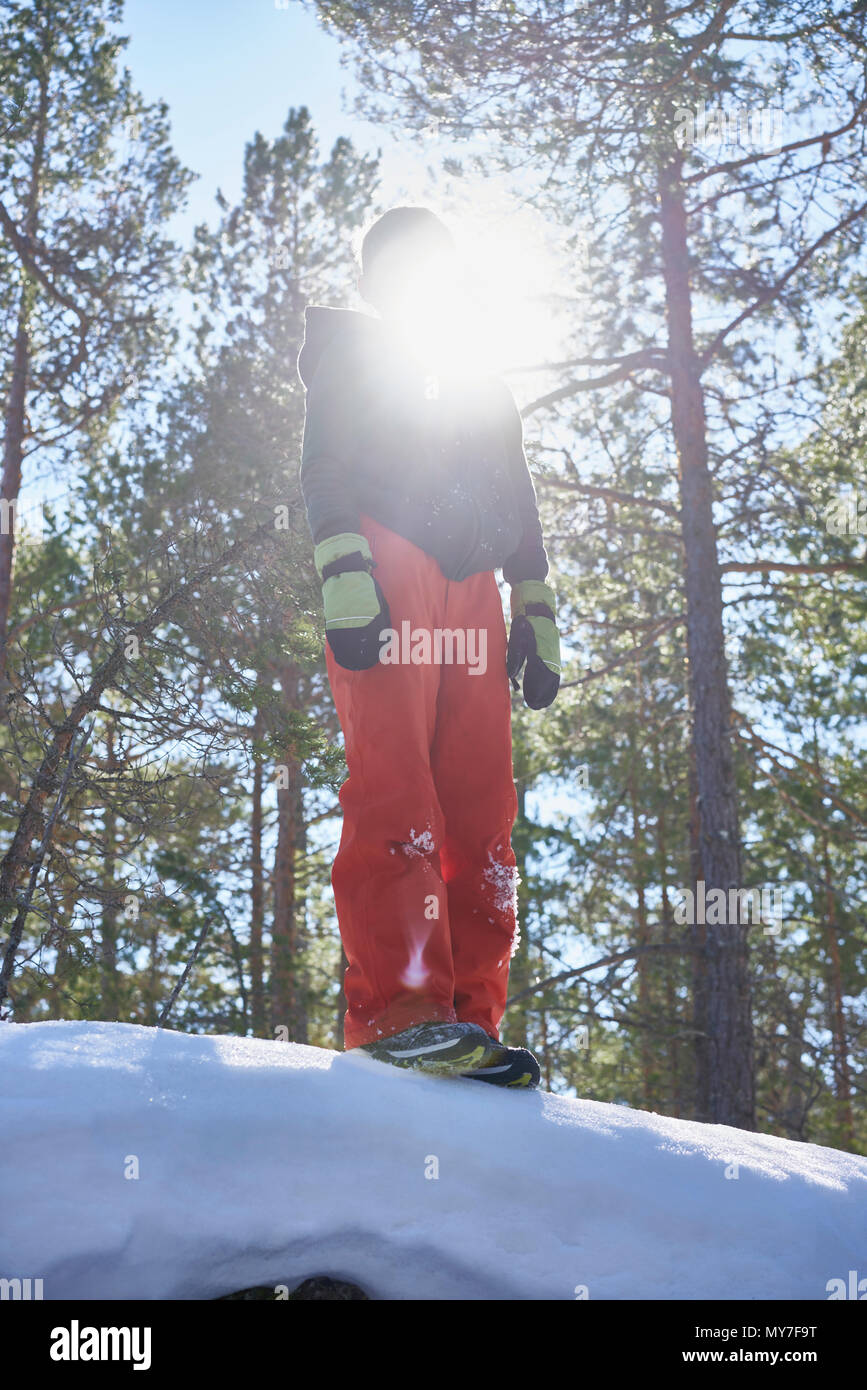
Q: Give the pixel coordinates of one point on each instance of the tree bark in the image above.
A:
(10, 483)
(726, 1092)
(639, 872)
(697, 935)
(15, 421)
(288, 1007)
(339, 1038)
(257, 896)
(842, 1075)
(671, 1004)
(110, 903)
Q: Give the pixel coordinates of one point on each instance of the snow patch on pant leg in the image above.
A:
(419, 843)
(502, 881)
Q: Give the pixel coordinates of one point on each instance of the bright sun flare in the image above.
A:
(500, 306)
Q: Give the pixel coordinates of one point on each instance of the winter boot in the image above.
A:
(440, 1049)
(513, 1066)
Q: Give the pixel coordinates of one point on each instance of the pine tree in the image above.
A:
(89, 180)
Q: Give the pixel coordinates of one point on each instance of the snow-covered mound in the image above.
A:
(264, 1162)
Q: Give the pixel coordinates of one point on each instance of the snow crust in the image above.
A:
(266, 1162)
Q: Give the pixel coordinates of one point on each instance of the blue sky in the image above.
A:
(227, 68)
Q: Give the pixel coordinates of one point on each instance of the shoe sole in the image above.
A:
(456, 1064)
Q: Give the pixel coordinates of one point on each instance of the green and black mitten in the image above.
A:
(534, 639)
(355, 608)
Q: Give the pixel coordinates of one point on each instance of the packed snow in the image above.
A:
(143, 1163)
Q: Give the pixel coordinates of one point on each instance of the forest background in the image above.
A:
(664, 208)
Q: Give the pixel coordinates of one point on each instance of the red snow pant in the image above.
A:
(424, 879)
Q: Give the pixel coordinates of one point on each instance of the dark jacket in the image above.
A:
(446, 471)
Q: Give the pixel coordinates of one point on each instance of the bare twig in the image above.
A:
(200, 941)
(681, 948)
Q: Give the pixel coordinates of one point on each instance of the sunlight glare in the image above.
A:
(499, 304)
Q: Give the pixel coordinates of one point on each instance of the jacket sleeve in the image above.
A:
(529, 560)
(330, 426)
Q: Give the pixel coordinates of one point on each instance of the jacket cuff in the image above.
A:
(529, 561)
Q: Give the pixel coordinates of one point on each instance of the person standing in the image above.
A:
(417, 489)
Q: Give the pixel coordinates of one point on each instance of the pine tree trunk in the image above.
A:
(794, 1109)
(108, 924)
(726, 1094)
(842, 1077)
(257, 896)
(15, 422)
(697, 937)
(287, 978)
(643, 967)
(10, 483)
(151, 983)
(59, 939)
(339, 1039)
(672, 1018)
